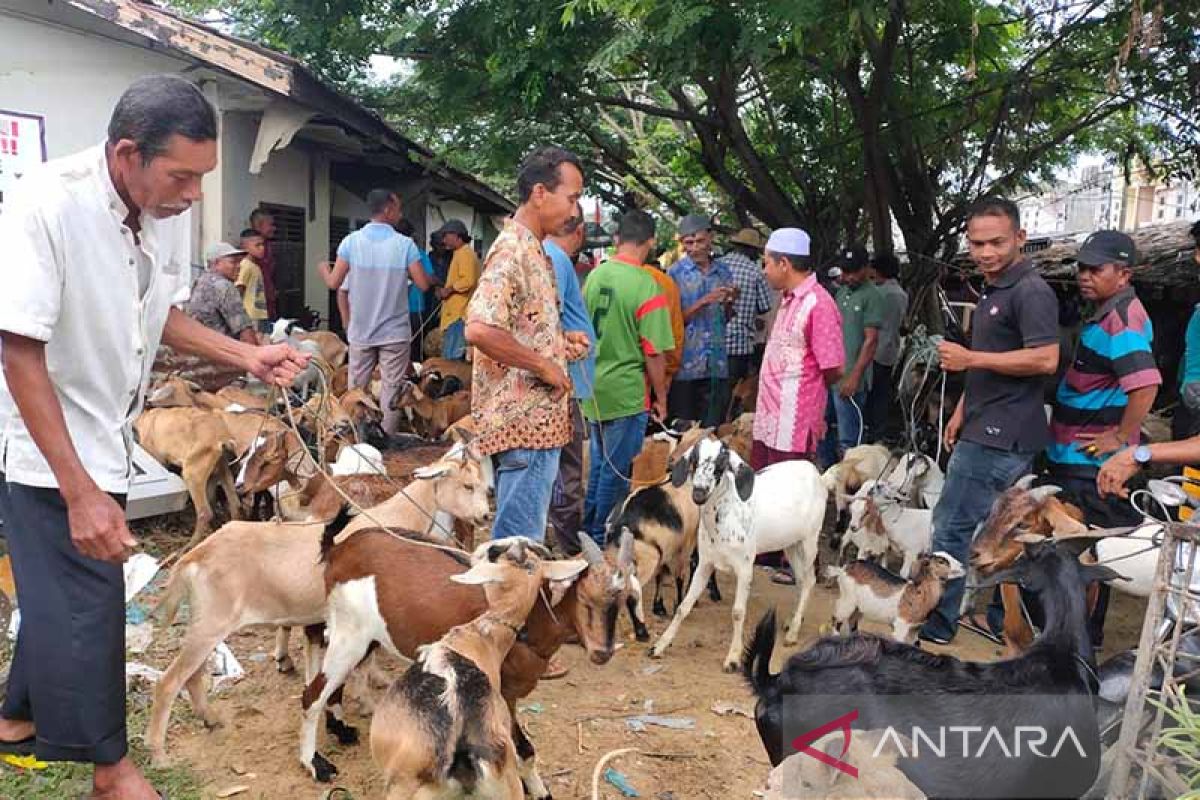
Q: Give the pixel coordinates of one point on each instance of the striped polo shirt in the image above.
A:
(1113, 358)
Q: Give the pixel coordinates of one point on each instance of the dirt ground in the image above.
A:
(573, 722)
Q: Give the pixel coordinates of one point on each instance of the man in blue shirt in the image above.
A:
(379, 262)
(417, 301)
(566, 503)
(700, 390)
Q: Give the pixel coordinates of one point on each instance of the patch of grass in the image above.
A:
(67, 781)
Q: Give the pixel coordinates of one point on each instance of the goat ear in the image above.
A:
(1062, 523)
(681, 470)
(480, 574)
(431, 472)
(563, 571)
(1099, 572)
(743, 479)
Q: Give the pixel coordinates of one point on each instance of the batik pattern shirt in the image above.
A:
(704, 354)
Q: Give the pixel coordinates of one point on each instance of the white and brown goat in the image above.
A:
(444, 727)
(270, 573)
(868, 591)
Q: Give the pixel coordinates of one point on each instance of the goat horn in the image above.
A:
(1025, 482)
(590, 551)
(1043, 493)
(625, 554)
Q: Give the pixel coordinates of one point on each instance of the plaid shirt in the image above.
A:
(754, 298)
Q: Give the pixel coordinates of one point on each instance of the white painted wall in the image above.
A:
(71, 79)
(346, 205)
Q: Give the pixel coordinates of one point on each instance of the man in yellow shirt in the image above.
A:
(460, 285)
(250, 278)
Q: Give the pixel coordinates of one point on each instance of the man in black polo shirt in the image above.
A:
(999, 423)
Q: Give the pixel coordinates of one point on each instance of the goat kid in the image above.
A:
(435, 416)
(880, 521)
(742, 515)
(379, 587)
(444, 727)
(868, 591)
(1057, 674)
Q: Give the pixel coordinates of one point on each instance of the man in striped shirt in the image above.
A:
(1107, 390)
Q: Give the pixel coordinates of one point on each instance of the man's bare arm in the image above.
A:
(97, 523)
(188, 336)
(1021, 363)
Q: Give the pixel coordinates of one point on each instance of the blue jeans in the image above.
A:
(614, 445)
(524, 483)
(849, 422)
(975, 476)
(454, 341)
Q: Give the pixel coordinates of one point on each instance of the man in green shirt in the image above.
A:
(633, 331)
(862, 307)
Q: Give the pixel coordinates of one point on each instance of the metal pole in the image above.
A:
(1139, 683)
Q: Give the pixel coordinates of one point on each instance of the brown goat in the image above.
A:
(438, 709)
(1020, 510)
(196, 441)
(402, 576)
(739, 435)
(745, 397)
(435, 416)
(447, 367)
(269, 573)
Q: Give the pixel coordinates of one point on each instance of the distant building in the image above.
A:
(1100, 197)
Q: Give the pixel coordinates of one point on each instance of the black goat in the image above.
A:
(892, 685)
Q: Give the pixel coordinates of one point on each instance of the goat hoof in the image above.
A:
(322, 768)
(660, 611)
(655, 652)
(790, 637)
(731, 666)
(345, 734)
(642, 635)
(285, 665)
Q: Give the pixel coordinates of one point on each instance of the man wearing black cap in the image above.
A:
(862, 307)
(1108, 389)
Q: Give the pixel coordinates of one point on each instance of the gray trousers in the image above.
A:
(68, 668)
(393, 364)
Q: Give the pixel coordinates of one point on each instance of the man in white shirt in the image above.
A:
(97, 248)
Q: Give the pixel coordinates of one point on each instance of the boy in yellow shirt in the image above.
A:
(250, 280)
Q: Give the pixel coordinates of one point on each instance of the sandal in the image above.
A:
(21, 747)
(555, 669)
(977, 623)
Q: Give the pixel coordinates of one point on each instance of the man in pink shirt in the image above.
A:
(804, 356)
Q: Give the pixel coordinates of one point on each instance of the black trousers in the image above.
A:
(696, 400)
(68, 668)
(883, 424)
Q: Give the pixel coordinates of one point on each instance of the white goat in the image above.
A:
(358, 459)
(877, 512)
(918, 477)
(859, 465)
(742, 515)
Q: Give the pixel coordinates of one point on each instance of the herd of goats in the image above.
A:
(367, 541)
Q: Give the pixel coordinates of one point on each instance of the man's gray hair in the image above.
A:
(156, 107)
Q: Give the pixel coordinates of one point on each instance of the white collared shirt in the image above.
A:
(71, 281)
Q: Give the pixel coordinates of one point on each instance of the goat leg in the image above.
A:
(745, 574)
(283, 661)
(703, 572)
(804, 569)
(634, 605)
(527, 762)
(188, 667)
